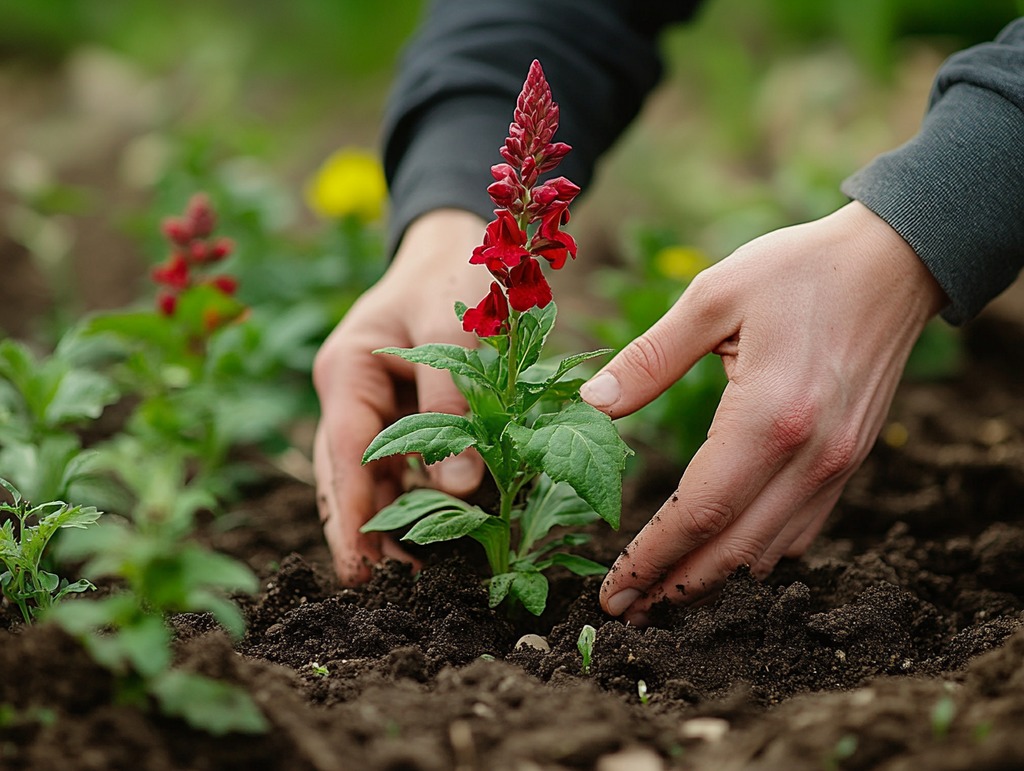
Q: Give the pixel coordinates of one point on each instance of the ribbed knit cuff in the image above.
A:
(955, 193)
(436, 173)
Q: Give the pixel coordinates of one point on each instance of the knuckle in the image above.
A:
(791, 426)
(837, 456)
(737, 551)
(700, 522)
(647, 356)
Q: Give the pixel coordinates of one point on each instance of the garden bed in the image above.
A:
(897, 643)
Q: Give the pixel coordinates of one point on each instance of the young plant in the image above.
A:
(585, 645)
(23, 581)
(161, 571)
(525, 421)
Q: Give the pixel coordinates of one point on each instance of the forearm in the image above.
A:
(450, 108)
(955, 192)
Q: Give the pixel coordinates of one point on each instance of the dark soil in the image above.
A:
(897, 643)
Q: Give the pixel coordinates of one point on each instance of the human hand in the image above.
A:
(814, 324)
(361, 393)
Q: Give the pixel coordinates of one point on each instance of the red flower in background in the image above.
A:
(490, 317)
(192, 248)
(507, 250)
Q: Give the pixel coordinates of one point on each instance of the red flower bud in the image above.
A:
(199, 215)
(225, 283)
(176, 231)
(220, 249)
(173, 273)
(166, 302)
(198, 252)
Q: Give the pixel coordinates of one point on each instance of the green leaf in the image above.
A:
(454, 358)
(446, 526)
(47, 582)
(581, 566)
(210, 705)
(409, 507)
(81, 394)
(531, 589)
(534, 327)
(146, 644)
(460, 309)
(551, 504)
(434, 435)
(498, 587)
(15, 495)
(580, 446)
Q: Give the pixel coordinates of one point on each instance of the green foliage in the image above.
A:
(23, 580)
(557, 461)
(42, 404)
(162, 571)
(585, 645)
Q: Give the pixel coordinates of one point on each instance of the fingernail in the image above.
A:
(457, 474)
(602, 391)
(619, 602)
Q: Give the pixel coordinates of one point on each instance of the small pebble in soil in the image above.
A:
(708, 729)
(533, 641)
(631, 759)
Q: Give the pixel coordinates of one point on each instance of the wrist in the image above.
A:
(893, 260)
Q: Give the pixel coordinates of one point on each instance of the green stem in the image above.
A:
(513, 362)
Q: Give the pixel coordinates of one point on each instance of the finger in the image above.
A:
(750, 541)
(352, 552)
(749, 443)
(457, 475)
(697, 324)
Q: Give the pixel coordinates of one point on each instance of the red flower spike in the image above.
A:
(503, 246)
(490, 317)
(173, 273)
(199, 215)
(527, 287)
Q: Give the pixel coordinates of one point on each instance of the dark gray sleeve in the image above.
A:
(955, 191)
(458, 81)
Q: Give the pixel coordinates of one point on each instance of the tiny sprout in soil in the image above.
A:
(641, 691)
(585, 644)
(555, 460)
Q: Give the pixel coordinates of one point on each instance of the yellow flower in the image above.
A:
(349, 183)
(681, 262)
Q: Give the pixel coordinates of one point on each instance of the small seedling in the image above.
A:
(943, 714)
(319, 669)
(24, 582)
(585, 643)
(641, 691)
(844, 749)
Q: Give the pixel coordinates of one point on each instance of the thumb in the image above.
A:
(696, 325)
(461, 474)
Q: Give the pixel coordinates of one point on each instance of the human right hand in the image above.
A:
(814, 324)
(360, 393)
